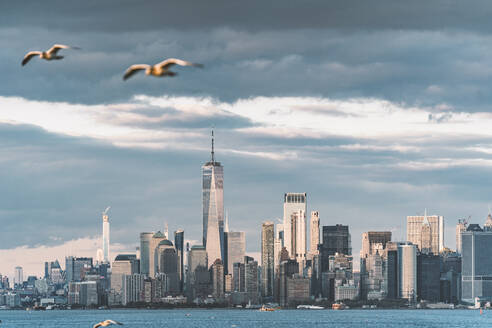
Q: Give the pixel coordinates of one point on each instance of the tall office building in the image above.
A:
(76, 267)
(336, 239)
(123, 264)
(213, 208)
(407, 259)
(374, 241)
(476, 265)
(105, 246)
(19, 276)
(145, 238)
(236, 248)
(298, 238)
(460, 228)
(293, 203)
(153, 244)
(425, 229)
(179, 245)
(314, 233)
(267, 258)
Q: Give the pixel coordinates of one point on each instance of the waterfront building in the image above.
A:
(293, 203)
(167, 265)
(251, 286)
(428, 277)
(213, 208)
(476, 268)
(267, 258)
(426, 232)
(133, 288)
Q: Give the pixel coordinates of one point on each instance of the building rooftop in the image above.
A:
(166, 242)
(125, 257)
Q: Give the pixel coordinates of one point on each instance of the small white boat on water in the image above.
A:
(310, 307)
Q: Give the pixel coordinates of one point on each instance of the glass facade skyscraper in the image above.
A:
(213, 208)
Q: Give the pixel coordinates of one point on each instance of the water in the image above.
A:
(250, 318)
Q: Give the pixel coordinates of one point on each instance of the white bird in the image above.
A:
(161, 69)
(106, 323)
(51, 54)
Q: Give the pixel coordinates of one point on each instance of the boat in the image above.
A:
(338, 306)
(266, 309)
(310, 307)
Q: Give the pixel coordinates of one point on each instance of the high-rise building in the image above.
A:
(145, 238)
(460, 227)
(179, 245)
(314, 233)
(217, 270)
(251, 279)
(293, 203)
(167, 266)
(374, 241)
(407, 259)
(213, 208)
(428, 277)
(76, 267)
(123, 264)
(336, 239)
(267, 258)
(19, 276)
(105, 246)
(423, 230)
(476, 267)
(236, 248)
(153, 244)
(298, 237)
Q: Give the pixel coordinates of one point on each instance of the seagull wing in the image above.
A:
(173, 61)
(114, 322)
(97, 325)
(134, 69)
(29, 55)
(53, 50)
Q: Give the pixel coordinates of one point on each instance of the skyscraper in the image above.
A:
(460, 227)
(298, 237)
(19, 276)
(422, 229)
(105, 238)
(179, 245)
(373, 241)
(407, 260)
(476, 265)
(153, 243)
(293, 202)
(213, 208)
(236, 248)
(336, 239)
(314, 233)
(145, 238)
(123, 264)
(267, 258)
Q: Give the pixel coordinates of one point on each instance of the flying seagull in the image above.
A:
(51, 54)
(161, 69)
(106, 323)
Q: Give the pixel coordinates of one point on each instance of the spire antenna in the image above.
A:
(213, 157)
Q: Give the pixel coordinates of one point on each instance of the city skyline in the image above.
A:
(381, 118)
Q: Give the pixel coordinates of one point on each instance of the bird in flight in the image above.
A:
(106, 323)
(161, 69)
(51, 54)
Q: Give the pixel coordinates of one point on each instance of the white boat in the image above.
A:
(310, 307)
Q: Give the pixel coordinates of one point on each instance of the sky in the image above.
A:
(377, 110)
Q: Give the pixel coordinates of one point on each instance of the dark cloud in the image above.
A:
(128, 15)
